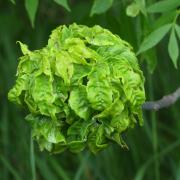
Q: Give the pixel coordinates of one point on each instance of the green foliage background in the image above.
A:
(154, 148)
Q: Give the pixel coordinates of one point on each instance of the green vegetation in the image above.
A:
(152, 28)
(84, 88)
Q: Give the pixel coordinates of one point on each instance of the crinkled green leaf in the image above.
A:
(82, 90)
(120, 121)
(97, 140)
(20, 86)
(115, 108)
(102, 37)
(80, 73)
(118, 139)
(78, 135)
(99, 93)
(45, 131)
(60, 90)
(24, 48)
(77, 47)
(79, 103)
(42, 94)
(64, 67)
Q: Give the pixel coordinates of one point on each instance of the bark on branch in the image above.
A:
(162, 103)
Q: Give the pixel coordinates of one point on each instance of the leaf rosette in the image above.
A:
(84, 89)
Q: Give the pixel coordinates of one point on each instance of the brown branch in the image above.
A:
(162, 103)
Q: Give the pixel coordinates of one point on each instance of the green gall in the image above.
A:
(84, 89)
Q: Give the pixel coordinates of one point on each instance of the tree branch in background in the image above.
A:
(162, 103)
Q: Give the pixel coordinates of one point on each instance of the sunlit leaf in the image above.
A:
(151, 60)
(64, 67)
(163, 6)
(153, 38)
(79, 103)
(24, 48)
(132, 10)
(83, 89)
(173, 48)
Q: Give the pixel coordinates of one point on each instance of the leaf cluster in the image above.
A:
(169, 11)
(166, 23)
(84, 88)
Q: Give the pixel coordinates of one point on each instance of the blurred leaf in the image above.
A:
(132, 10)
(142, 6)
(165, 18)
(151, 60)
(63, 3)
(83, 7)
(61, 173)
(173, 48)
(141, 172)
(44, 169)
(31, 7)
(100, 6)
(163, 6)
(13, 1)
(10, 168)
(153, 38)
(83, 165)
(177, 27)
(32, 159)
(178, 171)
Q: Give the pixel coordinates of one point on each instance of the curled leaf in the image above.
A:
(133, 10)
(82, 90)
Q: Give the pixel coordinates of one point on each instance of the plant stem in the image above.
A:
(32, 159)
(154, 131)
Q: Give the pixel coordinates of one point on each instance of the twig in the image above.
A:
(162, 103)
